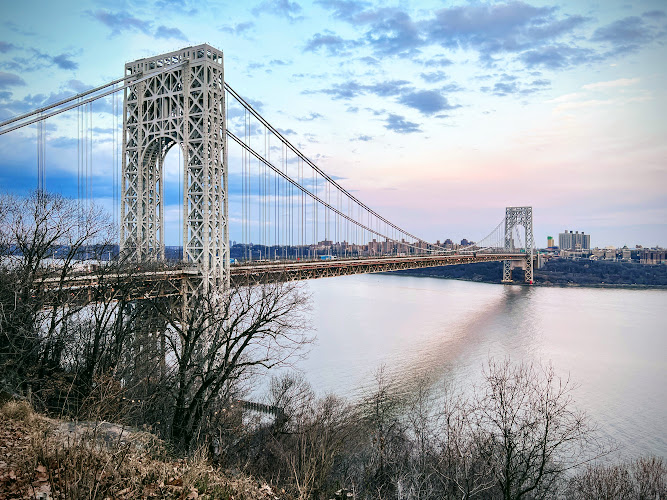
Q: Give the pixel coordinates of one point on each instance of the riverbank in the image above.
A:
(558, 273)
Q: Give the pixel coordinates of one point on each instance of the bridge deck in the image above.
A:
(302, 270)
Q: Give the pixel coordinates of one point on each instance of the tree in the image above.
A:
(641, 479)
(528, 430)
(43, 238)
(220, 337)
(464, 471)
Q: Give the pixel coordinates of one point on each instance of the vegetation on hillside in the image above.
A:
(558, 272)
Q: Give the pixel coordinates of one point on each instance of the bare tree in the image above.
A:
(464, 472)
(528, 429)
(222, 336)
(641, 479)
(43, 239)
(389, 450)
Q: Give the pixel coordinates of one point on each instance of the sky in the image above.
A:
(436, 114)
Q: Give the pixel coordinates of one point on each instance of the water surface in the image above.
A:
(612, 343)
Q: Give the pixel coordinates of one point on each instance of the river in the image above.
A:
(612, 343)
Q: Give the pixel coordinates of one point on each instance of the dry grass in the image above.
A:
(17, 410)
(49, 459)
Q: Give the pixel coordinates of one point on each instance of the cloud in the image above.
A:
(503, 89)
(452, 87)
(400, 125)
(287, 131)
(10, 80)
(351, 88)
(492, 29)
(437, 62)
(346, 90)
(558, 56)
(120, 21)
(541, 83)
(387, 88)
(332, 43)
(621, 82)
(426, 102)
(63, 61)
(6, 47)
(30, 102)
(78, 86)
(168, 33)
(281, 8)
(310, 117)
(364, 138)
(510, 86)
(346, 10)
(256, 104)
(625, 35)
(433, 76)
(187, 7)
(389, 31)
(394, 33)
(655, 14)
(239, 28)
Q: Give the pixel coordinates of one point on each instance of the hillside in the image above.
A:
(558, 272)
(49, 458)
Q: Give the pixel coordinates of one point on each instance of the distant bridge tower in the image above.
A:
(177, 100)
(519, 216)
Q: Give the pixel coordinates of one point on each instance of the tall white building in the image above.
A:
(574, 241)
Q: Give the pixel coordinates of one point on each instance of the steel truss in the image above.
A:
(514, 217)
(295, 271)
(178, 101)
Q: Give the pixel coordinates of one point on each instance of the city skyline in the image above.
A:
(436, 115)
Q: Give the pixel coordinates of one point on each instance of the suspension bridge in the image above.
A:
(306, 224)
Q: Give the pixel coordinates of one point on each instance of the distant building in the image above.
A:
(550, 241)
(574, 241)
(653, 256)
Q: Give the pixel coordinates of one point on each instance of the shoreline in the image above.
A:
(622, 286)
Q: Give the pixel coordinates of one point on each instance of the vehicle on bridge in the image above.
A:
(328, 257)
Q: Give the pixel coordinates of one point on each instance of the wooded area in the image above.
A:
(557, 272)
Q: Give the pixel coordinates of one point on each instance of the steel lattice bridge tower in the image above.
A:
(181, 100)
(515, 217)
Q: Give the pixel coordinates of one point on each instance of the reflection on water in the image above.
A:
(611, 342)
